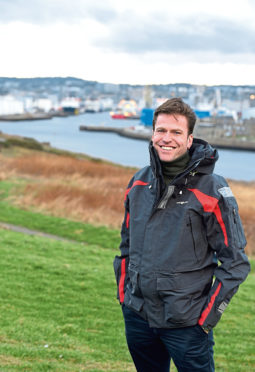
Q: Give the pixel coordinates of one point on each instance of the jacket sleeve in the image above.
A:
(226, 237)
(121, 262)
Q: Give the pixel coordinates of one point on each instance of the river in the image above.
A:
(64, 133)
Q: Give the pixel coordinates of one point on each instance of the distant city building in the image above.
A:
(10, 105)
(44, 94)
(92, 105)
(43, 104)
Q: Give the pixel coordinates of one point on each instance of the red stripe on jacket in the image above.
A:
(127, 220)
(210, 204)
(209, 306)
(122, 280)
(136, 183)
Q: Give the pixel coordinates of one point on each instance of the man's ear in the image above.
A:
(190, 141)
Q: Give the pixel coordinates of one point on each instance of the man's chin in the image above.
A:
(166, 158)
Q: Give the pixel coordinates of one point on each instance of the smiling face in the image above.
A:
(171, 138)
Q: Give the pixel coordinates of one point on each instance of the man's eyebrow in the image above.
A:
(171, 130)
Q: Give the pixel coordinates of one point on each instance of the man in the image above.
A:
(181, 220)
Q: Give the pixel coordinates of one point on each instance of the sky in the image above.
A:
(205, 42)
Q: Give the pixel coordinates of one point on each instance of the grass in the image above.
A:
(58, 311)
(235, 333)
(66, 228)
(87, 191)
(63, 227)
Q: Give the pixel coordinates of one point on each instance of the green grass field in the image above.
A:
(58, 310)
(59, 313)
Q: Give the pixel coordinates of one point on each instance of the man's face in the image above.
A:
(170, 137)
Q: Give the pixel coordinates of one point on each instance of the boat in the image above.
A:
(123, 115)
(126, 109)
(70, 105)
(116, 115)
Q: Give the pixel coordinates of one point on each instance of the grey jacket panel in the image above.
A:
(172, 240)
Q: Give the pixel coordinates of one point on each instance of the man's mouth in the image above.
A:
(167, 148)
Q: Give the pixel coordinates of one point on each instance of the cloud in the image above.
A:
(129, 41)
(122, 27)
(52, 11)
(158, 34)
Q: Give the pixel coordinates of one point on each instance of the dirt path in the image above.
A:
(24, 230)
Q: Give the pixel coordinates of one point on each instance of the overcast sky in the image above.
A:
(137, 41)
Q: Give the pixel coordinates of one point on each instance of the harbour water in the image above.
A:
(64, 133)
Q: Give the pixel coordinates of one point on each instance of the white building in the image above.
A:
(106, 104)
(10, 105)
(43, 104)
(92, 105)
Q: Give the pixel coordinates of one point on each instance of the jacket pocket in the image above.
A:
(183, 296)
(197, 231)
(238, 228)
(134, 278)
(233, 223)
(133, 302)
(133, 295)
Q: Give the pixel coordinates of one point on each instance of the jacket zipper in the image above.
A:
(167, 195)
(170, 190)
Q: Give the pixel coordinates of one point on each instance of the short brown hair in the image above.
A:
(176, 106)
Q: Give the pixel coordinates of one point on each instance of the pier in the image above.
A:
(130, 132)
(33, 116)
(228, 143)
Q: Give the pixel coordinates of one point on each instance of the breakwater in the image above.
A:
(145, 134)
(130, 132)
(33, 116)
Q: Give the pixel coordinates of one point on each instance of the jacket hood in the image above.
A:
(202, 158)
(202, 153)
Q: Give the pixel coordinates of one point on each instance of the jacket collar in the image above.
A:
(202, 158)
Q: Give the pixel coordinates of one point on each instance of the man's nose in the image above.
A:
(167, 136)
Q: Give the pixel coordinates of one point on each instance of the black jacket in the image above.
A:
(173, 239)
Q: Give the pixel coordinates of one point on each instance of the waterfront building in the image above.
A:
(10, 105)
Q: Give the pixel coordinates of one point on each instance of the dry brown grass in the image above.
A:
(84, 190)
(91, 191)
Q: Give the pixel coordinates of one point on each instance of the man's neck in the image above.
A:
(170, 169)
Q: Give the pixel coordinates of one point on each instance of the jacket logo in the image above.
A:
(222, 307)
(182, 202)
(226, 192)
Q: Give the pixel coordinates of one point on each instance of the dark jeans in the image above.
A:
(152, 348)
